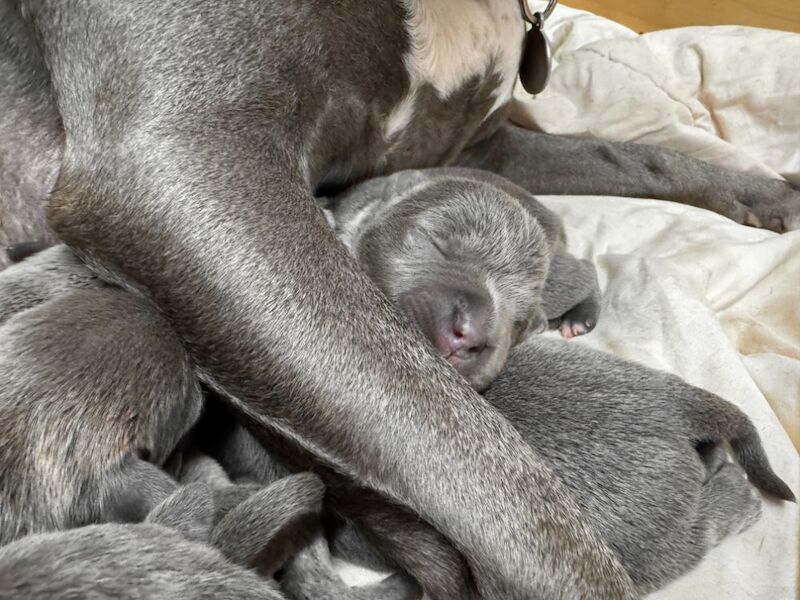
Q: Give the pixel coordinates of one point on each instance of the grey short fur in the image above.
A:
(190, 138)
(97, 392)
(240, 462)
(641, 450)
(476, 262)
(99, 395)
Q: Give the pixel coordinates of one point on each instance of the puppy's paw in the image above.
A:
(579, 320)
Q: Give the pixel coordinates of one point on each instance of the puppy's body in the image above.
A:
(640, 450)
(194, 137)
(96, 393)
(99, 394)
(126, 562)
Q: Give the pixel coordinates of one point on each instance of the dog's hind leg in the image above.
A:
(548, 164)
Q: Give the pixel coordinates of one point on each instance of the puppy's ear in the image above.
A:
(403, 182)
(248, 530)
(189, 510)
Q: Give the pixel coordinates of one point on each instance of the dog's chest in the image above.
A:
(453, 45)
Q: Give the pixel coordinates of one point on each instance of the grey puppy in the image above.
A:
(91, 404)
(410, 230)
(183, 142)
(181, 552)
(641, 450)
(474, 260)
(100, 402)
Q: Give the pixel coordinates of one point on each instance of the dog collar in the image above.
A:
(534, 68)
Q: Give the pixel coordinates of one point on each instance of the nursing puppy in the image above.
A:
(475, 261)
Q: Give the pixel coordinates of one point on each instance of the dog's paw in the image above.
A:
(775, 207)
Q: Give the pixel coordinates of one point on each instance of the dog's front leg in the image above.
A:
(549, 164)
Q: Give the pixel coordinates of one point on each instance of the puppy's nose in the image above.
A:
(464, 339)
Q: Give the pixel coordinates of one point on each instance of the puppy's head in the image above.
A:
(467, 264)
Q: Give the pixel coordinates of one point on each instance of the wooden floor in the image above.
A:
(648, 15)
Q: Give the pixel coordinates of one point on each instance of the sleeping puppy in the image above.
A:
(640, 450)
(475, 261)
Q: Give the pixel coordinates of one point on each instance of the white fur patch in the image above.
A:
(455, 40)
(401, 115)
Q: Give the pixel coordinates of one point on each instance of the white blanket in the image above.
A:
(687, 290)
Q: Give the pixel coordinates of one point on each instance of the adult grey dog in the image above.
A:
(181, 142)
(476, 262)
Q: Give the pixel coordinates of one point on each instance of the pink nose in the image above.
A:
(462, 339)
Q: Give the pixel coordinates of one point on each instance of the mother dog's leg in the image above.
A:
(184, 174)
(549, 164)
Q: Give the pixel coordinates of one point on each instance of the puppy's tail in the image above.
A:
(713, 419)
